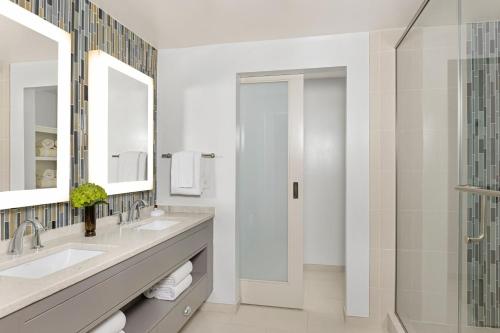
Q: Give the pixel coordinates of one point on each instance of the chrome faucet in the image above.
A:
(135, 208)
(16, 243)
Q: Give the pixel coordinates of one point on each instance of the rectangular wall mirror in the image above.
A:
(120, 125)
(35, 74)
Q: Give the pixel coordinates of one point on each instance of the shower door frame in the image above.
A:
(398, 43)
(414, 19)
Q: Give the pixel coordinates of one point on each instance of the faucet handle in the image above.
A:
(120, 216)
(37, 242)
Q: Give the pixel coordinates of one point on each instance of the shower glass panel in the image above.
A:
(263, 181)
(427, 171)
(480, 165)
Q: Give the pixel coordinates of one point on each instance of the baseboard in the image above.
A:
(393, 324)
(324, 268)
(219, 307)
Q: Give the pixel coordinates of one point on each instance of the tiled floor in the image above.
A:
(323, 312)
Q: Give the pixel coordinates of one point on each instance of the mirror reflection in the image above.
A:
(128, 128)
(28, 108)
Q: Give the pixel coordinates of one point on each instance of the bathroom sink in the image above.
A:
(49, 264)
(158, 225)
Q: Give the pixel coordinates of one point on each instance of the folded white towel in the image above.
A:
(47, 152)
(169, 293)
(49, 173)
(113, 324)
(176, 277)
(44, 182)
(181, 173)
(48, 143)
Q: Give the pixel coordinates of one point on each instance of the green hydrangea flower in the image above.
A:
(87, 195)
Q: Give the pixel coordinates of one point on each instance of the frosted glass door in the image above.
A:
(269, 190)
(264, 181)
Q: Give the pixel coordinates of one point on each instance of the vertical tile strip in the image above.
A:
(90, 29)
(483, 169)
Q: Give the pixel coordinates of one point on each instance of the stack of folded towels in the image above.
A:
(48, 179)
(114, 324)
(48, 148)
(173, 285)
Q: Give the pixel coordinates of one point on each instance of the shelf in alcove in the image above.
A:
(45, 129)
(40, 158)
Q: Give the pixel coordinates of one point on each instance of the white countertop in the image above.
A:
(119, 242)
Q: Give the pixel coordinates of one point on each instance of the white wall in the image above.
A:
(324, 171)
(197, 110)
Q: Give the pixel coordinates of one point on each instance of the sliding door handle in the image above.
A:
(295, 190)
(482, 218)
(482, 193)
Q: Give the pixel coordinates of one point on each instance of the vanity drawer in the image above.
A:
(82, 311)
(183, 311)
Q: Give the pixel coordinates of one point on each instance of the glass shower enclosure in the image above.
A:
(448, 168)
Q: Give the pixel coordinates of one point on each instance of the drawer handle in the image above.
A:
(188, 311)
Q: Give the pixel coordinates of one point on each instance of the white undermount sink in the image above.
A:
(49, 264)
(157, 225)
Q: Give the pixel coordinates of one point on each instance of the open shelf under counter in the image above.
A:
(145, 315)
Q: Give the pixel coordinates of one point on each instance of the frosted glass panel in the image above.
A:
(263, 181)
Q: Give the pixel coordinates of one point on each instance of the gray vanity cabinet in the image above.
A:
(82, 306)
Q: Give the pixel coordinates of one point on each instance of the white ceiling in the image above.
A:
(184, 23)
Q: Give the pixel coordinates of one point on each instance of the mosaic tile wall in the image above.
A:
(91, 29)
(483, 169)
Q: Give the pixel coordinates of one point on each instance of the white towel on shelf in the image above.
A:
(176, 277)
(48, 143)
(44, 182)
(49, 173)
(47, 152)
(185, 175)
(169, 293)
(114, 324)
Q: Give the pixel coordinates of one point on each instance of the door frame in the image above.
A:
(288, 294)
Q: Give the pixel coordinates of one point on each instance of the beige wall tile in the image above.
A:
(382, 171)
(387, 63)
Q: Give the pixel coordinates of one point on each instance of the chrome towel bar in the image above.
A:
(483, 193)
(477, 190)
(169, 155)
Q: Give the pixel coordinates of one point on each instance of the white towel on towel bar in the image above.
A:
(185, 173)
(128, 166)
(142, 173)
(113, 324)
(176, 277)
(182, 169)
(169, 293)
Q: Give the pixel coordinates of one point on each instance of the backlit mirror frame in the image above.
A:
(24, 198)
(99, 64)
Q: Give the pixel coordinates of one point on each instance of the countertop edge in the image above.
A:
(29, 299)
